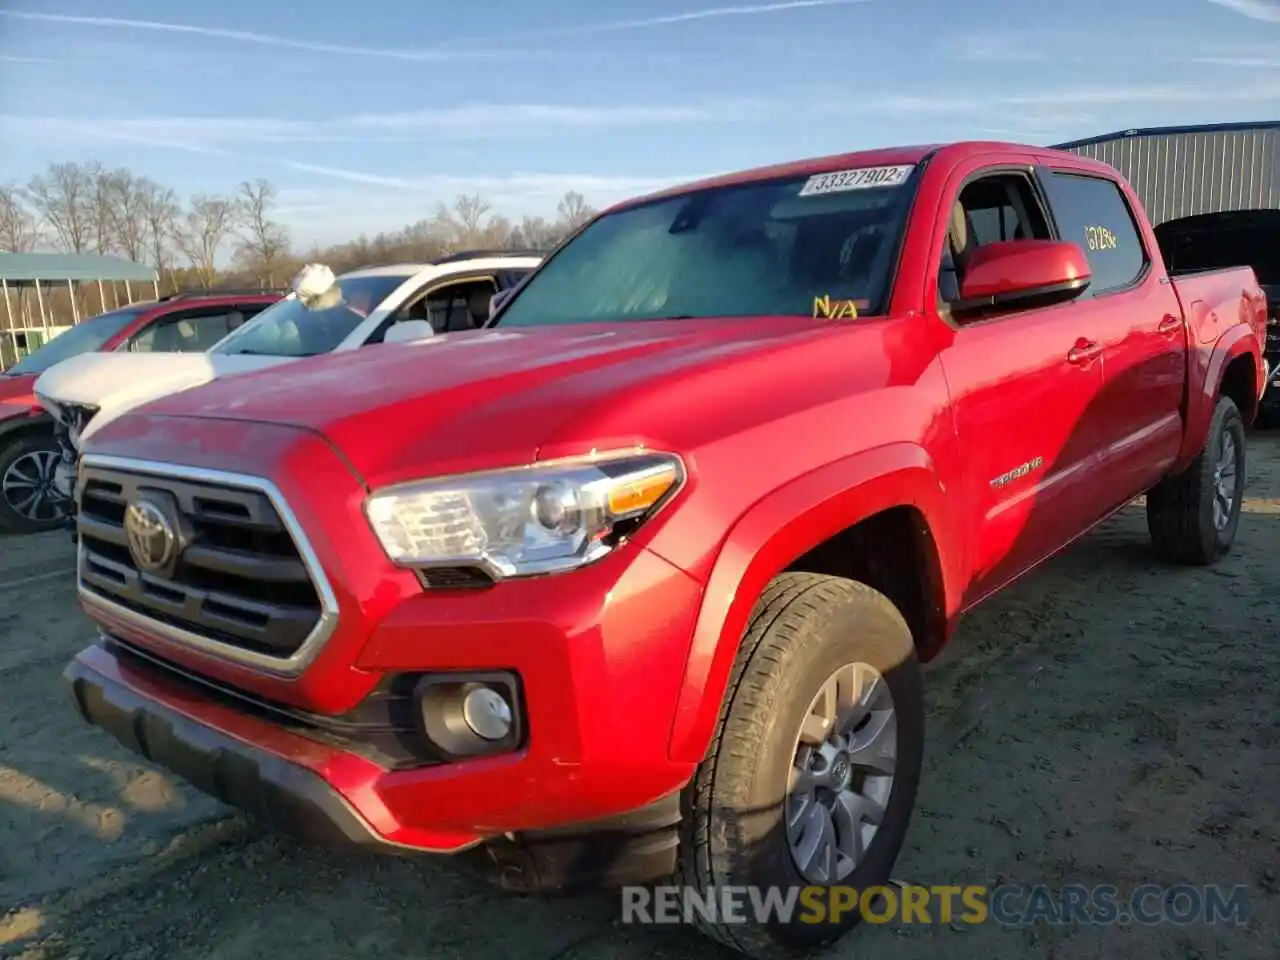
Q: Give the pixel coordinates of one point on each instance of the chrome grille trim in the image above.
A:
(290, 666)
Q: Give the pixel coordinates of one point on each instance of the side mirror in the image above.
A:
(498, 299)
(407, 330)
(1020, 274)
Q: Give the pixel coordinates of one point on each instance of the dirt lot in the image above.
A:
(1104, 721)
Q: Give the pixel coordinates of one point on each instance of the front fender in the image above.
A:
(1205, 373)
(22, 419)
(772, 534)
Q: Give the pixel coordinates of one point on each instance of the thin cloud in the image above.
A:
(1265, 10)
(465, 121)
(1252, 63)
(260, 39)
(495, 117)
(527, 185)
(529, 192)
(900, 104)
(711, 13)
(438, 52)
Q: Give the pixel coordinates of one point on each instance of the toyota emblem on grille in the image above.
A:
(152, 538)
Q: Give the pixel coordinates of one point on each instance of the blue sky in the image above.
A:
(365, 114)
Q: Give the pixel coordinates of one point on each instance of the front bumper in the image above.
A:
(239, 774)
(599, 657)
(292, 782)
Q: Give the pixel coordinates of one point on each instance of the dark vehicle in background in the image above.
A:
(1212, 241)
(29, 447)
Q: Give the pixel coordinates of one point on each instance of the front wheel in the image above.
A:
(29, 498)
(812, 776)
(1193, 516)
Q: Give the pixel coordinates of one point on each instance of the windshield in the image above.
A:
(775, 248)
(85, 337)
(290, 329)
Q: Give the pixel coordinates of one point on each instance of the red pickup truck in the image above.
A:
(638, 579)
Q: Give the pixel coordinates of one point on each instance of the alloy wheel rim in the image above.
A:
(1225, 472)
(28, 487)
(842, 773)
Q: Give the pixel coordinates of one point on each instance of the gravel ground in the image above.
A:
(1105, 720)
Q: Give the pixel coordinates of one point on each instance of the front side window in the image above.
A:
(85, 337)
(995, 208)
(292, 329)
(769, 248)
(185, 333)
(455, 306)
(1093, 213)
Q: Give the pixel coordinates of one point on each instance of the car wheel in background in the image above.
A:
(29, 500)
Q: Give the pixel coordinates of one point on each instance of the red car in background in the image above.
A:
(29, 451)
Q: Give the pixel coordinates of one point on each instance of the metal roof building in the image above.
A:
(1183, 171)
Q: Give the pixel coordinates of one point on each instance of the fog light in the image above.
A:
(470, 714)
(487, 713)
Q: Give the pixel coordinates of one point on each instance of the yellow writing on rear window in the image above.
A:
(1099, 238)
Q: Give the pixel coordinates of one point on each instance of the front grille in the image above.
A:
(238, 578)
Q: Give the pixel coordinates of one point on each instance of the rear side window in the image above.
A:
(1093, 212)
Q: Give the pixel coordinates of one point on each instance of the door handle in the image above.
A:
(1170, 324)
(1083, 351)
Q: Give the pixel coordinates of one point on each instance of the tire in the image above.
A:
(25, 460)
(805, 628)
(1185, 525)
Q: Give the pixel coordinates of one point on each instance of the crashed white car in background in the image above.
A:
(323, 314)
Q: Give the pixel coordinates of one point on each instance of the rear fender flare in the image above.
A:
(772, 534)
(1207, 369)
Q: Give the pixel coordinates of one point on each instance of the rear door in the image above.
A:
(1140, 324)
(1024, 387)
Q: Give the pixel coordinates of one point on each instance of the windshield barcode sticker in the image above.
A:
(864, 178)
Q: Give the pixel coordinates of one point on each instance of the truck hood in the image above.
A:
(117, 382)
(488, 398)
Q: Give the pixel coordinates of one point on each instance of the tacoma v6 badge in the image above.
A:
(1017, 473)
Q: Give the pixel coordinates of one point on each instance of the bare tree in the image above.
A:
(472, 212)
(126, 200)
(102, 197)
(469, 223)
(19, 232)
(63, 198)
(264, 243)
(574, 211)
(208, 223)
(160, 211)
(535, 233)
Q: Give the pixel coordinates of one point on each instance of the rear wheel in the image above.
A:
(1193, 516)
(29, 499)
(812, 776)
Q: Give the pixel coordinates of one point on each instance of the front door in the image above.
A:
(1024, 389)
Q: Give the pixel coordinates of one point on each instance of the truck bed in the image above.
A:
(1214, 299)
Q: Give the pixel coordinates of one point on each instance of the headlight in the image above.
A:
(531, 520)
